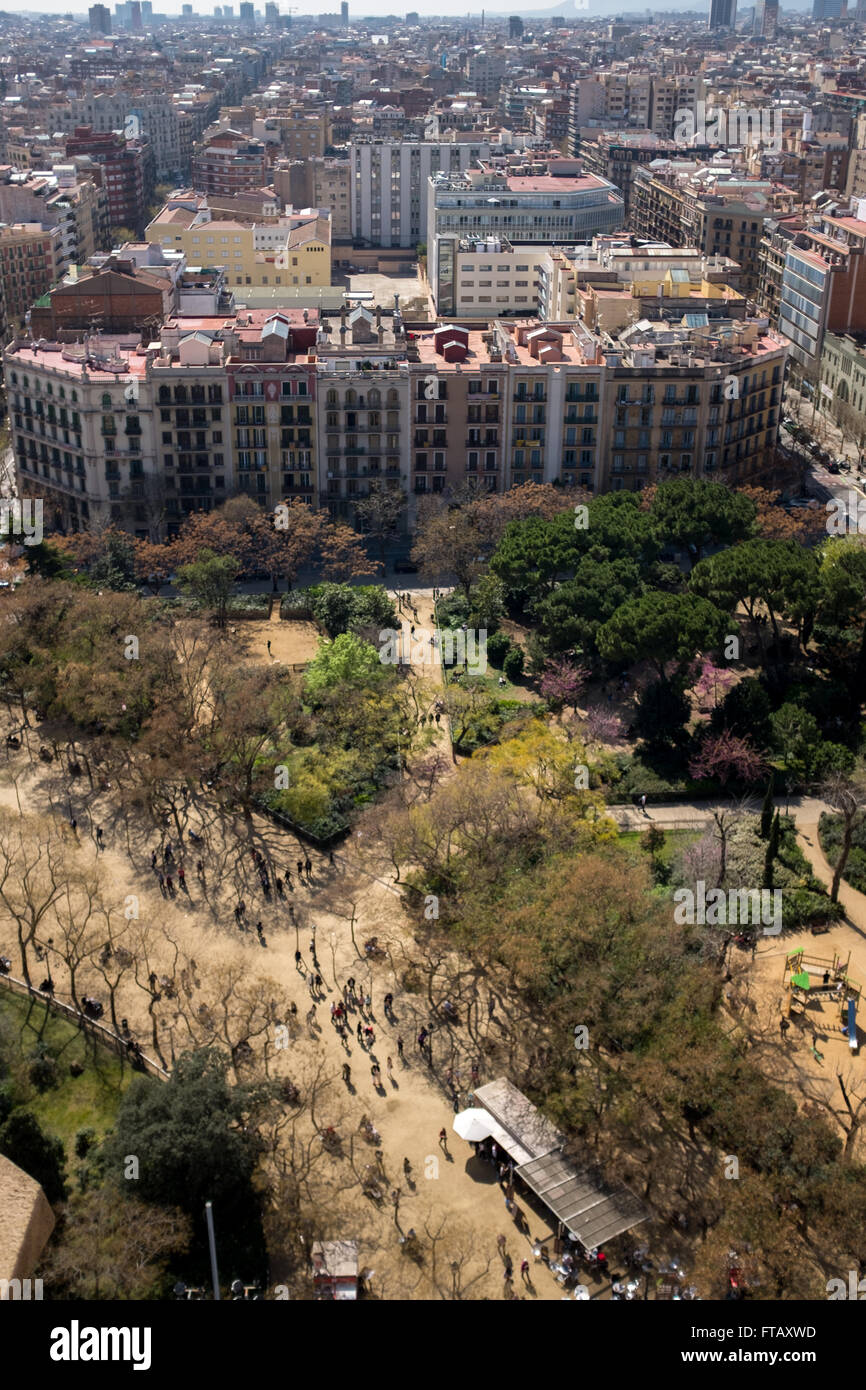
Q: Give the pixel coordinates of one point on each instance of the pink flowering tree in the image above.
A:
(712, 683)
(562, 682)
(726, 755)
(602, 725)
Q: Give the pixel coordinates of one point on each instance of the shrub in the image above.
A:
(44, 1072)
(499, 644)
(513, 663)
(84, 1141)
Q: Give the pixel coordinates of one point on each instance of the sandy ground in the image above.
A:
(290, 642)
(411, 1104)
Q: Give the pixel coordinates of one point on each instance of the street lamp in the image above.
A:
(208, 1211)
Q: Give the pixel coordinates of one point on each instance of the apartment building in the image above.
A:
(777, 237)
(614, 411)
(110, 431)
(389, 181)
(557, 207)
(484, 70)
(823, 287)
(59, 198)
(229, 163)
(843, 383)
(82, 438)
(122, 164)
(155, 115)
(618, 156)
(293, 250)
(363, 417)
(30, 262)
(332, 189)
(715, 211)
(480, 278)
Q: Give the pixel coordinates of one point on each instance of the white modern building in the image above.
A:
(389, 185)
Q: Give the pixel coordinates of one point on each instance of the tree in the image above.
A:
(660, 628)
(380, 513)
(724, 756)
(795, 736)
(772, 851)
(693, 513)
(210, 581)
(746, 711)
(779, 575)
(450, 542)
(115, 1247)
(847, 796)
(24, 1142)
(767, 807)
(348, 662)
(154, 564)
(712, 683)
(196, 1140)
(562, 683)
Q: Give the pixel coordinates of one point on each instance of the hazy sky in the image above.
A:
(372, 7)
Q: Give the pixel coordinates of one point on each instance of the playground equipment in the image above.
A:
(816, 978)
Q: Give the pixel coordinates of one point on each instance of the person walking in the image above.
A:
(509, 1267)
(360, 1033)
(524, 1271)
(260, 932)
(376, 1074)
(347, 1073)
(181, 877)
(784, 1025)
(153, 859)
(297, 957)
(318, 982)
(368, 1004)
(400, 1049)
(369, 1035)
(169, 883)
(443, 1139)
(387, 1002)
(278, 884)
(162, 884)
(308, 867)
(99, 837)
(199, 868)
(500, 1245)
(389, 1067)
(300, 868)
(643, 802)
(269, 646)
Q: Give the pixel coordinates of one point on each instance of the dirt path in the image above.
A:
(409, 1107)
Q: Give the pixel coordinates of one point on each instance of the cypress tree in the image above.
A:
(767, 809)
(772, 851)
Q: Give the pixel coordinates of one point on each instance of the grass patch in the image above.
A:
(675, 842)
(76, 1102)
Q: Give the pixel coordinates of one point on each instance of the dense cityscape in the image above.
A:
(432, 656)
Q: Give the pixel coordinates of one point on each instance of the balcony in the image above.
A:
(530, 400)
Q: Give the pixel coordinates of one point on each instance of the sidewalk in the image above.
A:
(682, 815)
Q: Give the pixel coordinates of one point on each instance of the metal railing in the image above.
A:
(99, 1031)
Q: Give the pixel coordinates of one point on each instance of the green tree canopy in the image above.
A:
(693, 513)
(195, 1142)
(660, 628)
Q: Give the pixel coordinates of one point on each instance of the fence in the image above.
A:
(99, 1031)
